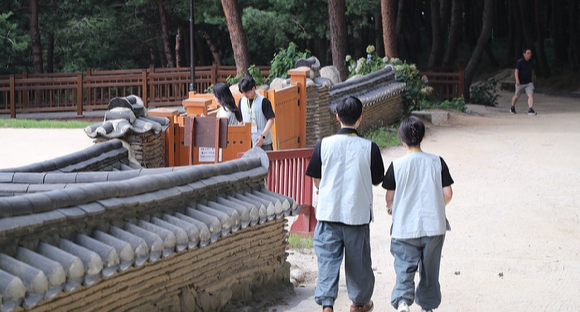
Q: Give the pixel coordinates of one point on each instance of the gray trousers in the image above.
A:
(331, 242)
(422, 253)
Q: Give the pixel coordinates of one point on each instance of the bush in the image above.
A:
(285, 60)
(484, 92)
(365, 65)
(455, 103)
(416, 92)
(253, 71)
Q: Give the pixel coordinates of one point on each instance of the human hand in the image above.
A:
(259, 141)
(389, 211)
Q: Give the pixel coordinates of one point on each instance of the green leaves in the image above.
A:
(285, 59)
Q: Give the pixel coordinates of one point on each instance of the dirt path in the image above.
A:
(515, 215)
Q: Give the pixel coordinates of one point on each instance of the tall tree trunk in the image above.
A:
(237, 36)
(213, 48)
(50, 52)
(557, 31)
(400, 17)
(178, 48)
(35, 37)
(543, 60)
(512, 30)
(389, 30)
(525, 19)
(454, 33)
(338, 35)
(574, 54)
(200, 52)
(445, 14)
(436, 55)
(480, 48)
(165, 34)
(379, 34)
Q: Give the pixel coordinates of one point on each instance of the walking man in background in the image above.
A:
(524, 81)
(344, 167)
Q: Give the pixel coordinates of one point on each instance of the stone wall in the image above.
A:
(379, 92)
(194, 238)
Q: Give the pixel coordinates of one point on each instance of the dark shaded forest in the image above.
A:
(73, 35)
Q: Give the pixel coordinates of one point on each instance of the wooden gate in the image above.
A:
(289, 105)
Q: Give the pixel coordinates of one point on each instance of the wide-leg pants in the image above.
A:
(331, 242)
(422, 253)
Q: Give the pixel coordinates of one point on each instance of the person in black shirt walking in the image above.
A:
(524, 81)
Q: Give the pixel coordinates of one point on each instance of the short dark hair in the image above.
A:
(524, 50)
(246, 84)
(412, 131)
(349, 110)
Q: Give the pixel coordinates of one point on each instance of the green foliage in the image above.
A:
(13, 42)
(31, 123)
(296, 241)
(416, 92)
(365, 65)
(484, 92)
(253, 71)
(285, 59)
(455, 103)
(383, 137)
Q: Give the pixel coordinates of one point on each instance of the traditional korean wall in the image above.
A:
(192, 238)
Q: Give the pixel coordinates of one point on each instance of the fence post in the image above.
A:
(80, 94)
(89, 91)
(298, 78)
(151, 90)
(144, 92)
(461, 79)
(25, 94)
(12, 98)
(214, 69)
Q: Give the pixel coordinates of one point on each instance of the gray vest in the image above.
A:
(345, 194)
(257, 115)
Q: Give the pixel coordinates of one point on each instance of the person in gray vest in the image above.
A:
(344, 167)
(256, 110)
(418, 189)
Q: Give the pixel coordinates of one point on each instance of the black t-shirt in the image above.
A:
(314, 168)
(266, 107)
(525, 69)
(390, 184)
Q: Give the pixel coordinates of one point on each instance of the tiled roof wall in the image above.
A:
(148, 239)
(379, 92)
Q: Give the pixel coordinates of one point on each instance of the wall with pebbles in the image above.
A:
(178, 239)
(379, 92)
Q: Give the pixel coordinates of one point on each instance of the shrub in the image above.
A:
(416, 92)
(457, 103)
(365, 65)
(484, 92)
(285, 60)
(253, 71)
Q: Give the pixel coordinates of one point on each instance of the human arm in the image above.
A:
(517, 79)
(267, 128)
(389, 197)
(377, 165)
(447, 194)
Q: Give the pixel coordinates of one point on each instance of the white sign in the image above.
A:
(207, 154)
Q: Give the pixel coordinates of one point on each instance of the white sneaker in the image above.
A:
(423, 310)
(403, 307)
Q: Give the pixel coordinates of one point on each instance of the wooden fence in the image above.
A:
(158, 87)
(447, 82)
(92, 90)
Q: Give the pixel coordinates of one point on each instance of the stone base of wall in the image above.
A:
(205, 279)
(148, 148)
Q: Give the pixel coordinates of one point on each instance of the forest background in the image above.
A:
(485, 35)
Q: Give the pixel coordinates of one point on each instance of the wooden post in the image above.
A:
(152, 89)
(461, 79)
(144, 86)
(170, 134)
(25, 94)
(12, 97)
(191, 121)
(214, 74)
(79, 94)
(298, 78)
(88, 73)
(196, 106)
(217, 141)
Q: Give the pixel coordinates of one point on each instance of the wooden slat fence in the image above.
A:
(92, 90)
(447, 82)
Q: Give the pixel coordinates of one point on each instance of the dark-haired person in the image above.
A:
(228, 109)
(524, 74)
(418, 189)
(344, 167)
(257, 110)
